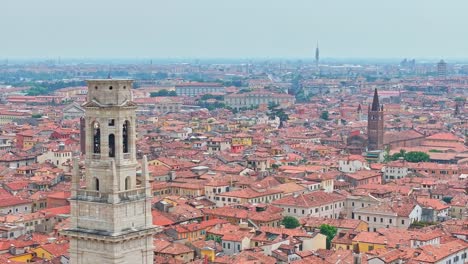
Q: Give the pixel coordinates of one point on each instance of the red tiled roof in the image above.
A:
(312, 199)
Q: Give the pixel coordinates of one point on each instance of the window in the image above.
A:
(390, 221)
(111, 145)
(111, 122)
(125, 130)
(96, 138)
(381, 220)
(402, 222)
(127, 183)
(96, 183)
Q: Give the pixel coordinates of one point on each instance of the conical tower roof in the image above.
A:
(375, 101)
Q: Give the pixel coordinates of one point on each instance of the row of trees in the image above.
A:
(162, 93)
(411, 156)
(49, 87)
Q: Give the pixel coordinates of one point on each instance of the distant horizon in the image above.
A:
(192, 60)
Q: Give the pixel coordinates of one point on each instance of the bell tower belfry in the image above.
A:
(111, 219)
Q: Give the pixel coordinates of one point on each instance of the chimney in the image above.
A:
(172, 175)
(357, 258)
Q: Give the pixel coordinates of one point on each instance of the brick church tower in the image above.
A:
(375, 124)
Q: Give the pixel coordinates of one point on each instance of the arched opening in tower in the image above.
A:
(96, 183)
(96, 137)
(127, 183)
(125, 128)
(111, 145)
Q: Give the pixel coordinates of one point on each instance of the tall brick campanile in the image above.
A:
(375, 124)
(111, 218)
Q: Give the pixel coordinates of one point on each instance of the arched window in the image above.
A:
(125, 132)
(96, 183)
(111, 145)
(127, 183)
(96, 138)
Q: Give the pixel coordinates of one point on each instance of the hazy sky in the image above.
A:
(233, 29)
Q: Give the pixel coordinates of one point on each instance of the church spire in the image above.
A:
(317, 54)
(375, 101)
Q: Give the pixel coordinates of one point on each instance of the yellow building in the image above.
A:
(367, 241)
(43, 253)
(241, 139)
(209, 253)
(26, 258)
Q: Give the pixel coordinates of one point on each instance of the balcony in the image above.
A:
(96, 156)
(132, 195)
(91, 196)
(126, 156)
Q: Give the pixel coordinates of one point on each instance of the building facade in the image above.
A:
(111, 219)
(194, 89)
(256, 98)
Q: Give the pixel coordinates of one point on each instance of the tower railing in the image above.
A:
(91, 195)
(134, 194)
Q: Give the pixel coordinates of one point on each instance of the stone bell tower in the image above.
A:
(111, 218)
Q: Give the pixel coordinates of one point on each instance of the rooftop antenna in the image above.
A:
(109, 74)
(317, 55)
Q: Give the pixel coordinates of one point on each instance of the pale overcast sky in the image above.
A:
(233, 29)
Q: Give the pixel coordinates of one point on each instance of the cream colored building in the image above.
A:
(59, 157)
(111, 219)
(257, 98)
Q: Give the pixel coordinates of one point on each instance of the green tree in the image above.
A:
(398, 155)
(290, 222)
(274, 110)
(387, 156)
(412, 156)
(417, 156)
(37, 90)
(447, 199)
(324, 115)
(163, 92)
(329, 231)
